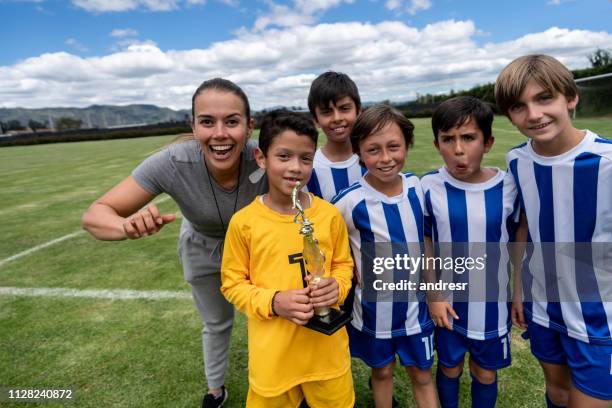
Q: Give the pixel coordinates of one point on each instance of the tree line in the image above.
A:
(61, 124)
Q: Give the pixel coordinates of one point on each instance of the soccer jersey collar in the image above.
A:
(271, 214)
(485, 185)
(383, 197)
(321, 159)
(588, 138)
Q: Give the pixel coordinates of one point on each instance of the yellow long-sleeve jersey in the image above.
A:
(263, 255)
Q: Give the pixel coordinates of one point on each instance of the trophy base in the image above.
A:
(330, 323)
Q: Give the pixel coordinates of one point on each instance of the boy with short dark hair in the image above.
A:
(563, 176)
(466, 203)
(263, 275)
(334, 103)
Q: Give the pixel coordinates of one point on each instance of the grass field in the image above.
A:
(142, 352)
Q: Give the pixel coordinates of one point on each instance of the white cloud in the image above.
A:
(124, 32)
(275, 66)
(302, 12)
(231, 3)
(160, 5)
(126, 39)
(412, 7)
(418, 5)
(393, 4)
(129, 42)
(102, 6)
(106, 6)
(76, 45)
(282, 16)
(314, 6)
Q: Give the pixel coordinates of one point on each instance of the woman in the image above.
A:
(210, 177)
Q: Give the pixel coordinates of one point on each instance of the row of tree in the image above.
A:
(63, 123)
(77, 135)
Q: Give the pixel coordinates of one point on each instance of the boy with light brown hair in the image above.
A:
(563, 177)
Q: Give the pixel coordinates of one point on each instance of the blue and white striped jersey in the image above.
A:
(568, 199)
(475, 213)
(329, 178)
(373, 217)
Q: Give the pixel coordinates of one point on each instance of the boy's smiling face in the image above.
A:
(288, 160)
(462, 148)
(337, 119)
(383, 154)
(544, 117)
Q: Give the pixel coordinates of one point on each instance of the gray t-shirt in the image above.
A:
(179, 171)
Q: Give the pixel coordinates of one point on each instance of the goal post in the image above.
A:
(595, 96)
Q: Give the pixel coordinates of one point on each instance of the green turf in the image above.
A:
(134, 353)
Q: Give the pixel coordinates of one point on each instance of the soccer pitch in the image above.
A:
(125, 332)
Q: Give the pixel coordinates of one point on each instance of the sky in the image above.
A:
(61, 53)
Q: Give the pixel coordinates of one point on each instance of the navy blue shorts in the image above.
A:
(491, 354)
(590, 364)
(415, 350)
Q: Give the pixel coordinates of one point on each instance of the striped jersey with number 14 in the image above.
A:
(372, 217)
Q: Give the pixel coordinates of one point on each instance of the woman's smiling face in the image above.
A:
(221, 127)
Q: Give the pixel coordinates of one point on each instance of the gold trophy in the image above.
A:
(326, 320)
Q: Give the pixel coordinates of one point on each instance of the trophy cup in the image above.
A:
(326, 320)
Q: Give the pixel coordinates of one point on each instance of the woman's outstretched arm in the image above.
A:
(119, 214)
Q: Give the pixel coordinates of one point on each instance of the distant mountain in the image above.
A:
(100, 116)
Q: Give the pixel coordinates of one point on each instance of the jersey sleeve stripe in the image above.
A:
(313, 184)
(340, 178)
(417, 211)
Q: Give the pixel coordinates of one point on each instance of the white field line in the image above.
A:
(115, 294)
(55, 241)
(39, 247)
